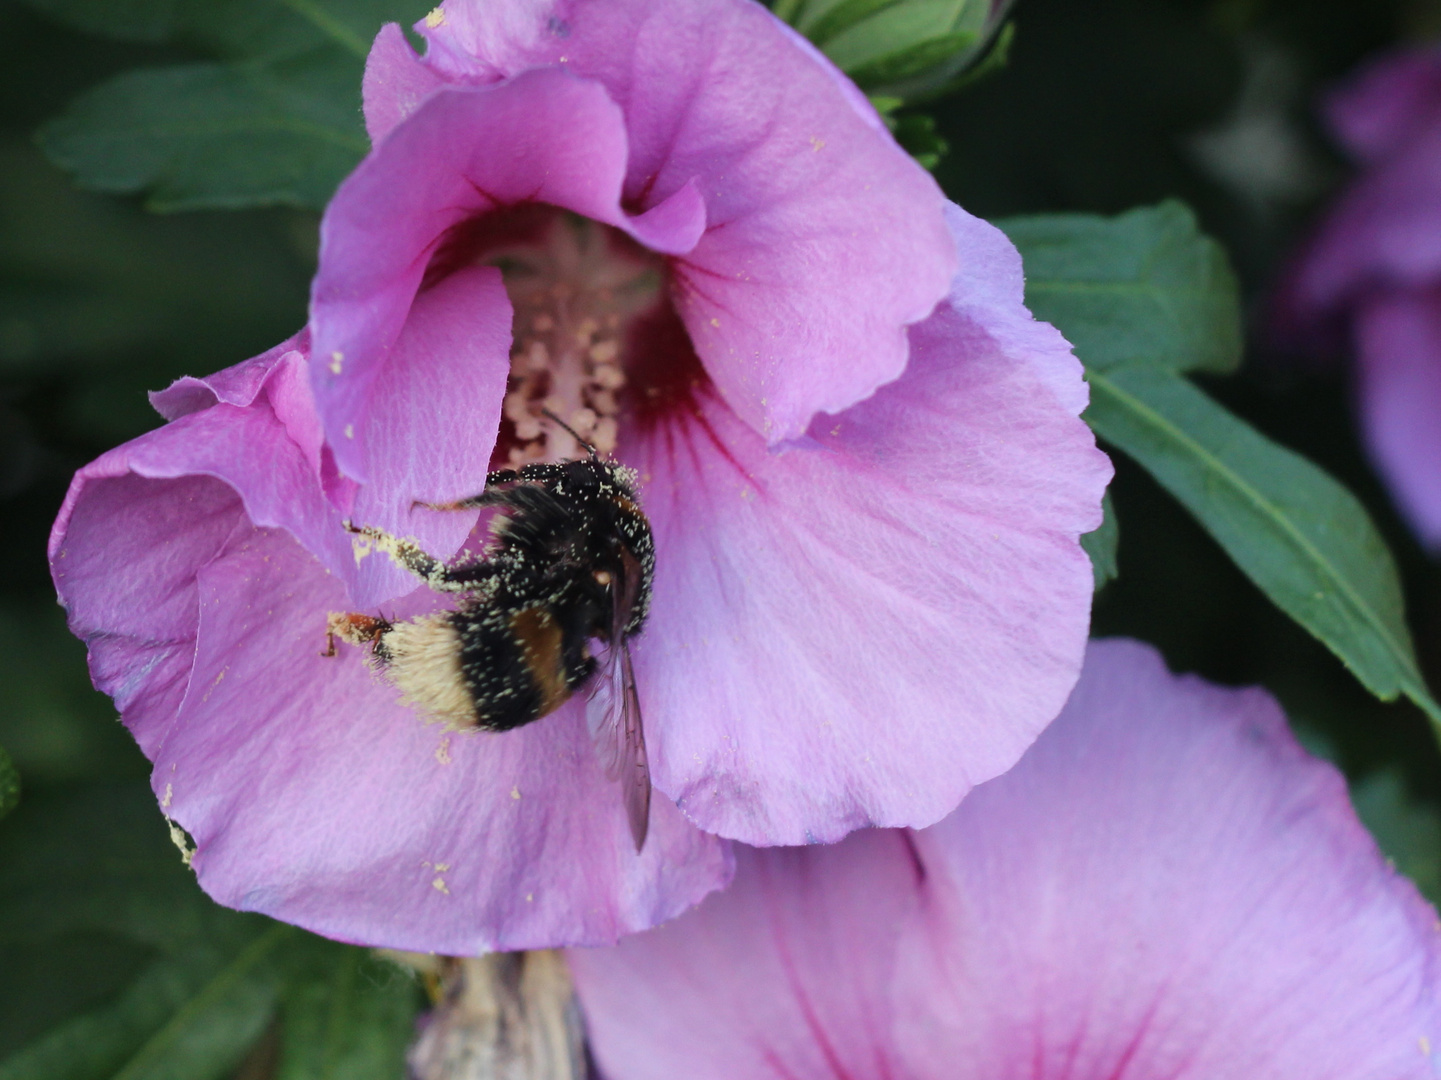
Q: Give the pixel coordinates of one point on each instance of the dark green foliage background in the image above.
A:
(112, 964)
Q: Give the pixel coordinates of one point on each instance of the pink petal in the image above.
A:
(312, 794)
(1194, 897)
(122, 554)
(249, 449)
(1385, 231)
(565, 144)
(431, 426)
(335, 807)
(1399, 339)
(236, 385)
(824, 240)
(395, 82)
(786, 975)
(484, 42)
(1377, 111)
(857, 630)
(1166, 887)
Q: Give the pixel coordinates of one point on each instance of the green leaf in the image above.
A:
(1102, 544)
(185, 986)
(273, 119)
(189, 1016)
(9, 783)
(211, 135)
(346, 1016)
(1145, 296)
(1407, 831)
(149, 21)
(237, 29)
(1293, 530)
(787, 10)
(41, 989)
(53, 724)
(1146, 287)
(104, 301)
(94, 866)
(100, 858)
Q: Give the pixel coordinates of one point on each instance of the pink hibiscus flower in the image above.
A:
(678, 228)
(1165, 888)
(1374, 270)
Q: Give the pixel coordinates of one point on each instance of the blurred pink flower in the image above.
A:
(680, 228)
(1374, 271)
(1165, 888)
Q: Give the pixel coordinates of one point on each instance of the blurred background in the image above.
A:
(1103, 105)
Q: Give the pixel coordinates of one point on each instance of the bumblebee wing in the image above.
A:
(613, 712)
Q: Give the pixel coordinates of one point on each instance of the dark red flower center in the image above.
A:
(595, 339)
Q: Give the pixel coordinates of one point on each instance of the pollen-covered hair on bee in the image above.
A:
(421, 658)
(624, 474)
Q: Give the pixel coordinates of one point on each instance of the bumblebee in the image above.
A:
(571, 565)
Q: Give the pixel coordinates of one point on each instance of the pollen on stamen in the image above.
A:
(575, 290)
(597, 339)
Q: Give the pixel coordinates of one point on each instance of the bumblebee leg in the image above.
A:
(485, 498)
(470, 577)
(497, 486)
(409, 556)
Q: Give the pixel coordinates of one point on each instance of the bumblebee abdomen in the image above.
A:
(422, 657)
(519, 664)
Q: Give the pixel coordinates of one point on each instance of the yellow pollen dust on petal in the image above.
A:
(435, 18)
(438, 882)
(179, 838)
(337, 358)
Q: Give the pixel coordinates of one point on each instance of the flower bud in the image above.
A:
(904, 49)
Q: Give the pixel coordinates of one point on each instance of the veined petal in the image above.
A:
(337, 808)
(1166, 888)
(858, 629)
(566, 146)
(312, 793)
(1192, 896)
(431, 425)
(823, 239)
(785, 976)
